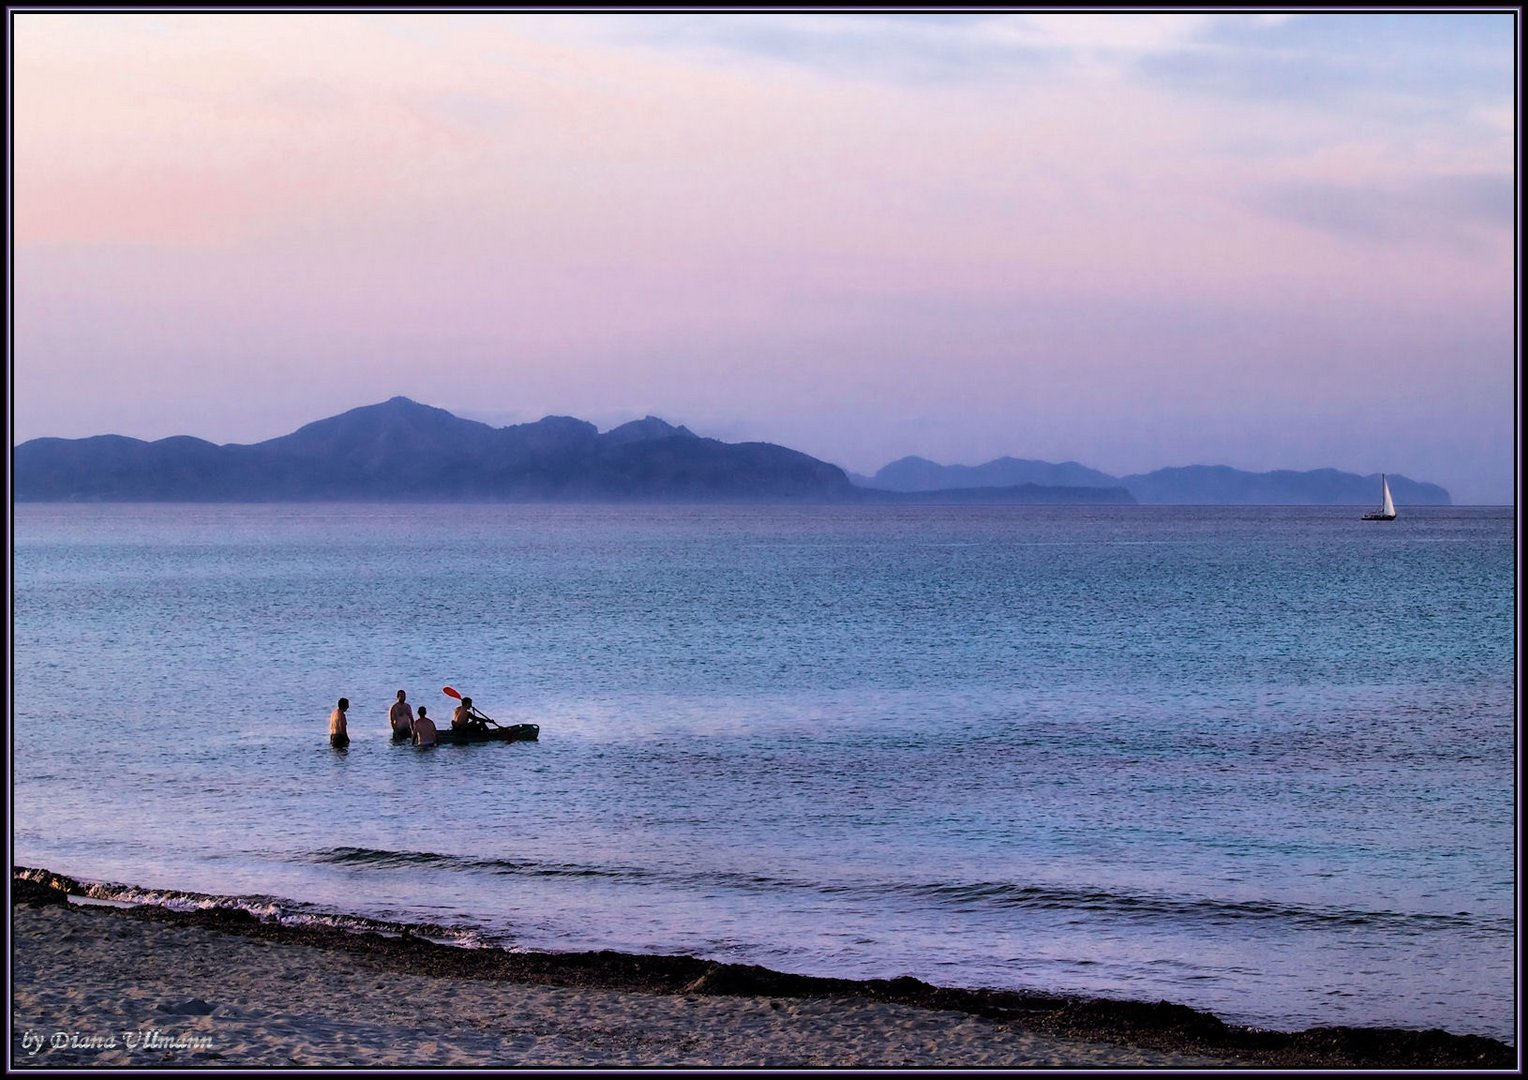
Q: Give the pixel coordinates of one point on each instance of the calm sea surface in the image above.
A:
(1259, 761)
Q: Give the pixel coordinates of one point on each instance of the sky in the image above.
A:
(1128, 239)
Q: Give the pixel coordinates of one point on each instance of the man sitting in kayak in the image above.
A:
(466, 718)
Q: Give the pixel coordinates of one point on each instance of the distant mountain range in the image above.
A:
(400, 450)
(1193, 485)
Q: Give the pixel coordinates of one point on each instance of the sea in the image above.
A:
(1259, 761)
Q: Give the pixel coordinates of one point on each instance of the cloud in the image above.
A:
(1427, 61)
(305, 94)
(1451, 210)
(1114, 33)
(901, 48)
(1248, 52)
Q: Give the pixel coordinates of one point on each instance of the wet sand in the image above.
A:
(147, 987)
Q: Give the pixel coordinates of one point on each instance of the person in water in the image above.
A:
(466, 718)
(424, 730)
(339, 738)
(401, 717)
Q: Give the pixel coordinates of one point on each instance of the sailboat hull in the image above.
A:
(1379, 517)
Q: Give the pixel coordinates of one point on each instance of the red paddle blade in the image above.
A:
(450, 692)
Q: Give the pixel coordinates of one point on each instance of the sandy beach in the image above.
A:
(145, 987)
(199, 996)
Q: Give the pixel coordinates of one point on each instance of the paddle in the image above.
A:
(449, 692)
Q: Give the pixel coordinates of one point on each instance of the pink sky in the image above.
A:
(1128, 240)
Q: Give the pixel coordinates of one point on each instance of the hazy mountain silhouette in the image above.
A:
(921, 474)
(1203, 485)
(1007, 495)
(402, 450)
(1212, 484)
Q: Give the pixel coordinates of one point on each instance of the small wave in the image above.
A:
(1141, 905)
(261, 908)
(359, 856)
(988, 894)
(464, 937)
(744, 881)
(380, 859)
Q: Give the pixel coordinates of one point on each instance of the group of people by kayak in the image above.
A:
(420, 729)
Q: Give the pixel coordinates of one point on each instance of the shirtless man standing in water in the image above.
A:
(401, 717)
(339, 738)
(424, 730)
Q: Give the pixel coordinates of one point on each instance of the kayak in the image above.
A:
(509, 733)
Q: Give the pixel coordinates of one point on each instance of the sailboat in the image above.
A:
(1386, 511)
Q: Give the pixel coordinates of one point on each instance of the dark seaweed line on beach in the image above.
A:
(1158, 1025)
(991, 893)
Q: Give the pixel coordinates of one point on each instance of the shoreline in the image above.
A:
(233, 989)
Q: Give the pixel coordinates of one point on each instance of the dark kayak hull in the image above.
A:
(508, 733)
